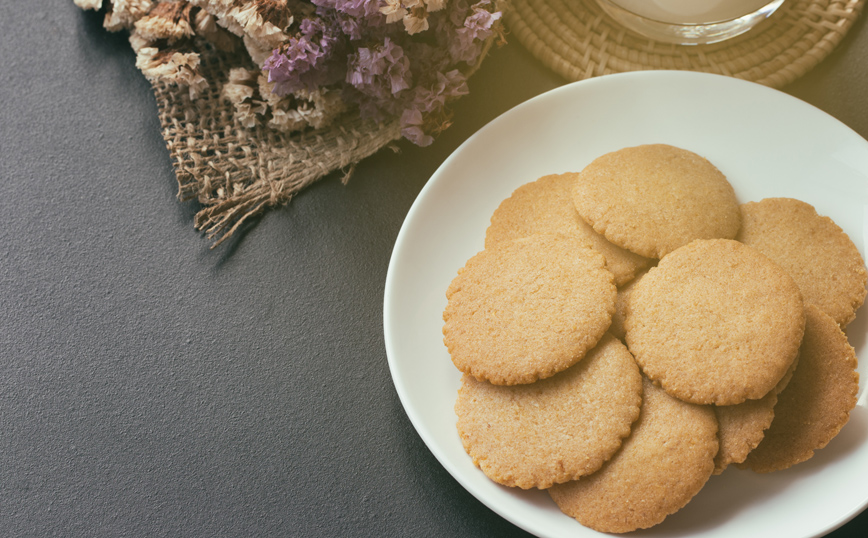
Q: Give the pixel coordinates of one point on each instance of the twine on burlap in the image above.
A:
(577, 40)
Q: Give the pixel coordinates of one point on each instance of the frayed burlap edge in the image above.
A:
(577, 40)
(237, 173)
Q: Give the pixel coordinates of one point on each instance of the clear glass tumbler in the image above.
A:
(690, 22)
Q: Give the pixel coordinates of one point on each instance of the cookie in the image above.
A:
(655, 198)
(741, 427)
(817, 402)
(511, 317)
(814, 250)
(616, 329)
(666, 460)
(546, 206)
(555, 430)
(715, 322)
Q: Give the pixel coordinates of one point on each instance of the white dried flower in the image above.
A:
(88, 4)
(266, 91)
(245, 116)
(242, 90)
(237, 93)
(240, 75)
(327, 106)
(167, 20)
(262, 21)
(287, 121)
(206, 27)
(414, 23)
(123, 14)
(137, 42)
(413, 13)
(258, 53)
(393, 10)
(302, 109)
(240, 87)
(172, 66)
(250, 19)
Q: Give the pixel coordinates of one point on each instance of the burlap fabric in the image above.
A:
(236, 173)
(577, 40)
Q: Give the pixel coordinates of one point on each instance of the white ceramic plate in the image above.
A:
(768, 144)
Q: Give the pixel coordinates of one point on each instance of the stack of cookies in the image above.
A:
(630, 330)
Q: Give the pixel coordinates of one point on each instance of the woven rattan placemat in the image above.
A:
(577, 40)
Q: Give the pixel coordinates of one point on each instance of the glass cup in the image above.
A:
(689, 22)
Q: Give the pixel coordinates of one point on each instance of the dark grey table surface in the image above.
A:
(150, 386)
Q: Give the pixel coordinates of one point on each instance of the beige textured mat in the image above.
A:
(577, 40)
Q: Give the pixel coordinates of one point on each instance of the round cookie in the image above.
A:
(555, 430)
(546, 206)
(526, 309)
(741, 427)
(817, 253)
(655, 198)
(715, 322)
(666, 460)
(616, 329)
(817, 402)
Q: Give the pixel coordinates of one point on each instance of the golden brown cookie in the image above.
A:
(511, 317)
(546, 206)
(817, 402)
(655, 198)
(616, 329)
(666, 460)
(816, 252)
(743, 426)
(560, 428)
(715, 322)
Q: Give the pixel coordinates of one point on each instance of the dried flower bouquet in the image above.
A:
(316, 59)
(260, 98)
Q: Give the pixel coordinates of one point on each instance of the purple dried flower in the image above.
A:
(458, 12)
(350, 26)
(479, 23)
(356, 20)
(379, 66)
(434, 97)
(304, 62)
(426, 58)
(361, 9)
(380, 73)
(427, 114)
(471, 26)
(411, 128)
